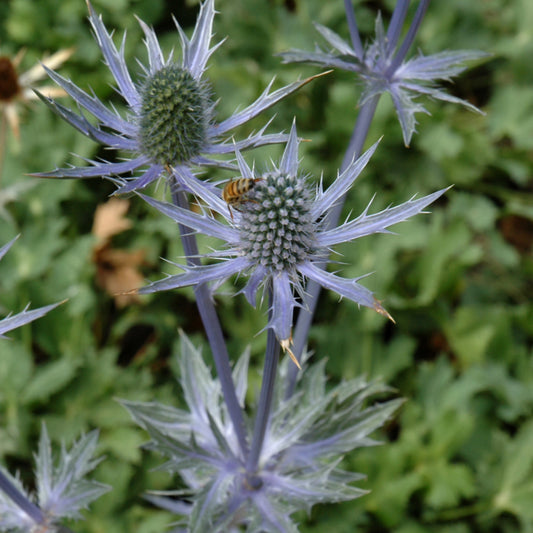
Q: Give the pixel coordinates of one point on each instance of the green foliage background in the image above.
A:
(459, 282)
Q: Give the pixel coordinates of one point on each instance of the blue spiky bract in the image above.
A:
(278, 239)
(298, 466)
(381, 66)
(169, 128)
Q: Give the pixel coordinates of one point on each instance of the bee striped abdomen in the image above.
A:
(236, 192)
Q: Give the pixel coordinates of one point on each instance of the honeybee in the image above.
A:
(235, 192)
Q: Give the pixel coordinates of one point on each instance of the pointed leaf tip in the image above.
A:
(286, 345)
(382, 311)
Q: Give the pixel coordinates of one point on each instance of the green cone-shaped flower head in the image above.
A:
(174, 116)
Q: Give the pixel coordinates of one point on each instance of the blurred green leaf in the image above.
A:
(516, 486)
(512, 115)
(48, 380)
(450, 484)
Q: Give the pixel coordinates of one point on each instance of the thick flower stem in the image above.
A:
(213, 329)
(265, 401)
(355, 146)
(28, 507)
(312, 292)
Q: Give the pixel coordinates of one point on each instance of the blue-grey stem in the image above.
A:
(265, 402)
(354, 31)
(310, 300)
(213, 329)
(396, 24)
(409, 38)
(26, 505)
(355, 146)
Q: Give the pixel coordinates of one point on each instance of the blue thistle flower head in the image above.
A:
(170, 125)
(381, 66)
(276, 234)
(306, 438)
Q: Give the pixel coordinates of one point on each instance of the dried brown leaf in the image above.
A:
(109, 219)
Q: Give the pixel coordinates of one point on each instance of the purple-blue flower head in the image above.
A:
(277, 237)
(299, 464)
(170, 124)
(381, 66)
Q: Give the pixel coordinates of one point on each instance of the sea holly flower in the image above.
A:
(61, 486)
(278, 236)
(170, 125)
(308, 435)
(17, 89)
(18, 512)
(62, 489)
(381, 66)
